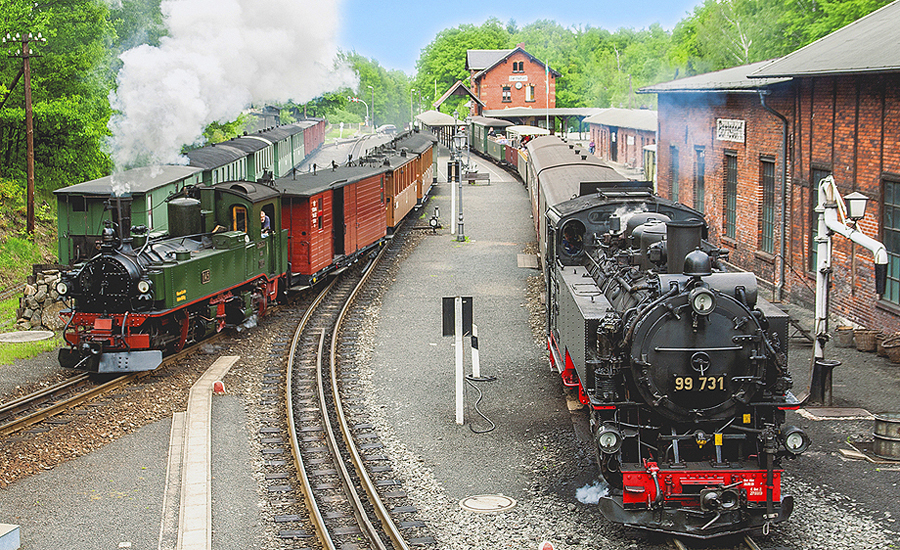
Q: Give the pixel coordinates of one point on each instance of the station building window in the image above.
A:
(529, 93)
(507, 95)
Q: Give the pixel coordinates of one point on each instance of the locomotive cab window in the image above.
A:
(239, 218)
(573, 237)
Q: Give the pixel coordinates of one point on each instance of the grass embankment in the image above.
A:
(18, 252)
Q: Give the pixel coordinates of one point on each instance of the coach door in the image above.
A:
(338, 227)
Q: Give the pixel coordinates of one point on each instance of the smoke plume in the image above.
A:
(220, 57)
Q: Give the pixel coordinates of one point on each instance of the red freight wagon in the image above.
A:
(332, 218)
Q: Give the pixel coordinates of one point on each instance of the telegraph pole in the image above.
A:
(26, 55)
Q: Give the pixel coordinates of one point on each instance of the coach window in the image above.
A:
(573, 237)
(239, 218)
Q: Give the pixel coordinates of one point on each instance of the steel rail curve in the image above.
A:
(387, 522)
(316, 517)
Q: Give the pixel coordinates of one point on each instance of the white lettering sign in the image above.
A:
(518, 78)
(730, 130)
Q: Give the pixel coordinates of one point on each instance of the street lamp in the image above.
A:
(411, 121)
(358, 100)
(460, 141)
(856, 205)
(373, 106)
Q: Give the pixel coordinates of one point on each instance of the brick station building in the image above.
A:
(748, 146)
(503, 79)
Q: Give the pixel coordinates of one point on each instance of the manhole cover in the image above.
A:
(25, 336)
(487, 504)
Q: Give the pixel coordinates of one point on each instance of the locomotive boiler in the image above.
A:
(682, 364)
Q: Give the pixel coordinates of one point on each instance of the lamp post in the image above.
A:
(358, 100)
(411, 92)
(373, 106)
(27, 54)
(459, 140)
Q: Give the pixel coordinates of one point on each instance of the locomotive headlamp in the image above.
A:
(702, 300)
(62, 288)
(609, 440)
(143, 287)
(795, 440)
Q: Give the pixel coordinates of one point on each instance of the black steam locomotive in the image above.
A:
(682, 364)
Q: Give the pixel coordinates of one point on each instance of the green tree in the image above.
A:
(69, 92)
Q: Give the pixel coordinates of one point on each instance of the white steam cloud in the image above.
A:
(591, 494)
(220, 56)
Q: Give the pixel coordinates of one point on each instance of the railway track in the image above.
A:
(344, 480)
(37, 407)
(328, 461)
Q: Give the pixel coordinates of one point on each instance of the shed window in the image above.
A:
(699, 180)
(673, 168)
(767, 210)
(891, 217)
(730, 195)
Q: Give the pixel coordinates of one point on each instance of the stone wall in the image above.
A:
(39, 307)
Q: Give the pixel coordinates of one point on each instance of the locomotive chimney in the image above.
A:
(682, 237)
(123, 211)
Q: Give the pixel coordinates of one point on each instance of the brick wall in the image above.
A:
(489, 88)
(621, 151)
(848, 126)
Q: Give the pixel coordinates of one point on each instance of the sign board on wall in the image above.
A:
(518, 78)
(730, 130)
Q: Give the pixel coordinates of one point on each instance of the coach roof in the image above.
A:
(307, 184)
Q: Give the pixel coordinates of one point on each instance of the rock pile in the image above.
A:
(40, 304)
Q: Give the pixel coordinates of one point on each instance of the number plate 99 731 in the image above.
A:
(699, 383)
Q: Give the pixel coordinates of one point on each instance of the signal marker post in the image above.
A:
(457, 321)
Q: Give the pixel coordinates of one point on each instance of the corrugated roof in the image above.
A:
(868, 45)
(734, 79)
(639, 119)
(137, 180)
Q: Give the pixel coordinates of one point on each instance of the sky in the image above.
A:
(394, 33)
